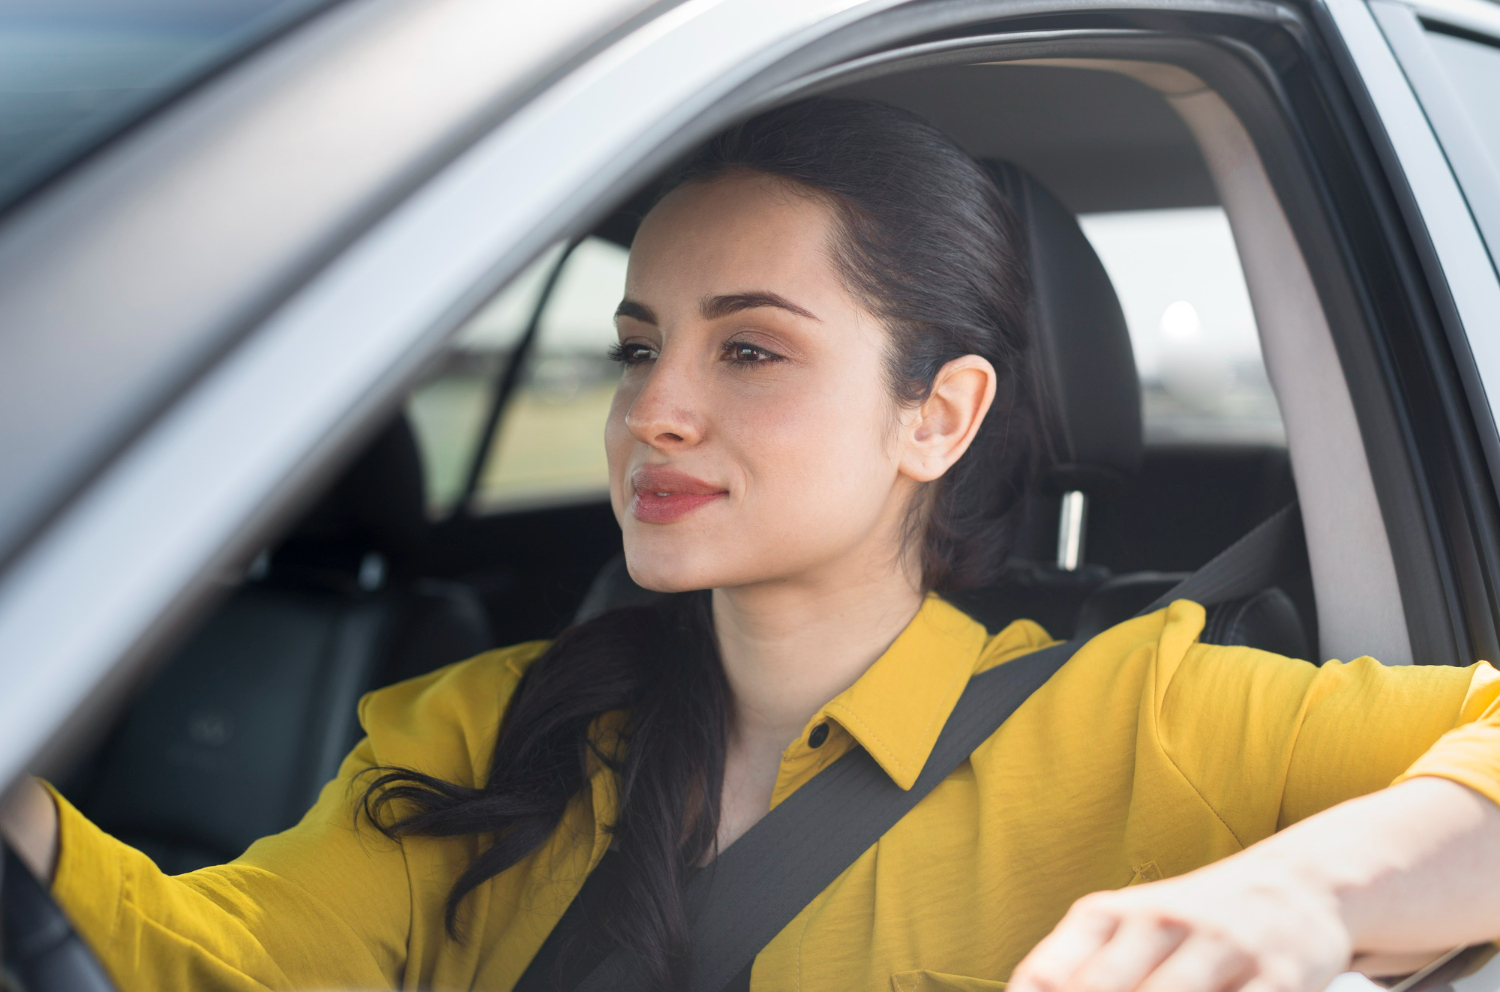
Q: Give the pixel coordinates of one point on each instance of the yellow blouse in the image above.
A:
(1147, 755)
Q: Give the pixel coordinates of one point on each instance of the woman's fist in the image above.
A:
(1247, 922)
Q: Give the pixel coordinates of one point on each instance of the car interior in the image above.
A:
(477, 517)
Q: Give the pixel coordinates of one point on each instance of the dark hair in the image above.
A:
(927, 243)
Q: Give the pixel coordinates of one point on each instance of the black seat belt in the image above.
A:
(764, 879)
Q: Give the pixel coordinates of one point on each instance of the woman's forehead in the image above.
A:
(741, 226)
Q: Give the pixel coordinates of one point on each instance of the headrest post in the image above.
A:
(1070, 527)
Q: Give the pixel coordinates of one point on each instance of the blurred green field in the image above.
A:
(549, 445)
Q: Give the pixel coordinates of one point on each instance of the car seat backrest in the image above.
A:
(234, 738)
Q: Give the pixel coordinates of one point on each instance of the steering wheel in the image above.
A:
(39, 949)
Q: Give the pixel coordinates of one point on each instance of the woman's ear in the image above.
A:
(943, 426)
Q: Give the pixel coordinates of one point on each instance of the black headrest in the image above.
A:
(378, 505)
(1091, 397)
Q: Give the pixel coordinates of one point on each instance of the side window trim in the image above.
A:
(1471, 164)
(510, 377)
(1457, 265)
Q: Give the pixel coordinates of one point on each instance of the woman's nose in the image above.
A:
(665, 412)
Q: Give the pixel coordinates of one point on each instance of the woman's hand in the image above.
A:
(1238, 924)
(1401, 875)
(28, 821)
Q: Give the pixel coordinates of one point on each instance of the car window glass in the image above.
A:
(448, 412)
(73, 72)
(1473, 68)
(1466, 117)
(1197, 349)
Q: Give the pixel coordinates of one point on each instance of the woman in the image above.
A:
(825, 419)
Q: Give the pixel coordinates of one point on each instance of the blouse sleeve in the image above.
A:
(331, 902)
(1267, 740)
(323, 905)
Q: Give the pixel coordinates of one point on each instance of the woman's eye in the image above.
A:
(632, 353)
(742, 353)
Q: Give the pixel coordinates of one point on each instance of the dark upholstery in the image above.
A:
(611, 589)
(1267, 620)
(234, 738)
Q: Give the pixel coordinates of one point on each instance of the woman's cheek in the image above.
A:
(817, 462)
(618, 443)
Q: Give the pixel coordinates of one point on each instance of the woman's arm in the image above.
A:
(1388, 880)
(28, 822)
(322, 905)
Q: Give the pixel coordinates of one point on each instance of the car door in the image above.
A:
(249, 320)
(245, 320)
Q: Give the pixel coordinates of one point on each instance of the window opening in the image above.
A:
(1192, 329)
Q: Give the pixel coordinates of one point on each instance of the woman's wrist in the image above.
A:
(1389, 881)
(1397, 866)
(29, 822)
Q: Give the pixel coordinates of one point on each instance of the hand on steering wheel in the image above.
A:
(39, 949)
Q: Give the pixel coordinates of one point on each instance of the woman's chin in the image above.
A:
(672, 570)
(666, 579)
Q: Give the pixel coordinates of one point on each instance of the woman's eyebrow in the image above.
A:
(714, 307)
(635, 311)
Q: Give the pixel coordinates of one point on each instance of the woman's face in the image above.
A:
(754, 437)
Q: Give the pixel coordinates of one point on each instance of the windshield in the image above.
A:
(75, 72)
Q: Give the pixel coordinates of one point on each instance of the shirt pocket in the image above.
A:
(934, 981)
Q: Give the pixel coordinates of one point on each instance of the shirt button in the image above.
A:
(818, 736)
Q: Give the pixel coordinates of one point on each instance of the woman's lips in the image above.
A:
(665, 494)
(661, 508)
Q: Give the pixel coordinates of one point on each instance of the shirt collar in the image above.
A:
(898, 706)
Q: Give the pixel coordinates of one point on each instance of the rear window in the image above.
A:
(75, 72)
(1178, 276)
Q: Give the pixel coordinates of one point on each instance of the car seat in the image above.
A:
(1091, 406)
(232, 740)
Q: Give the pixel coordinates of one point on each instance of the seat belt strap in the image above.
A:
(1270, 552)
(760, 883)
(764, 879)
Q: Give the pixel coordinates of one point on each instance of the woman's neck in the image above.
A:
(790, 647)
